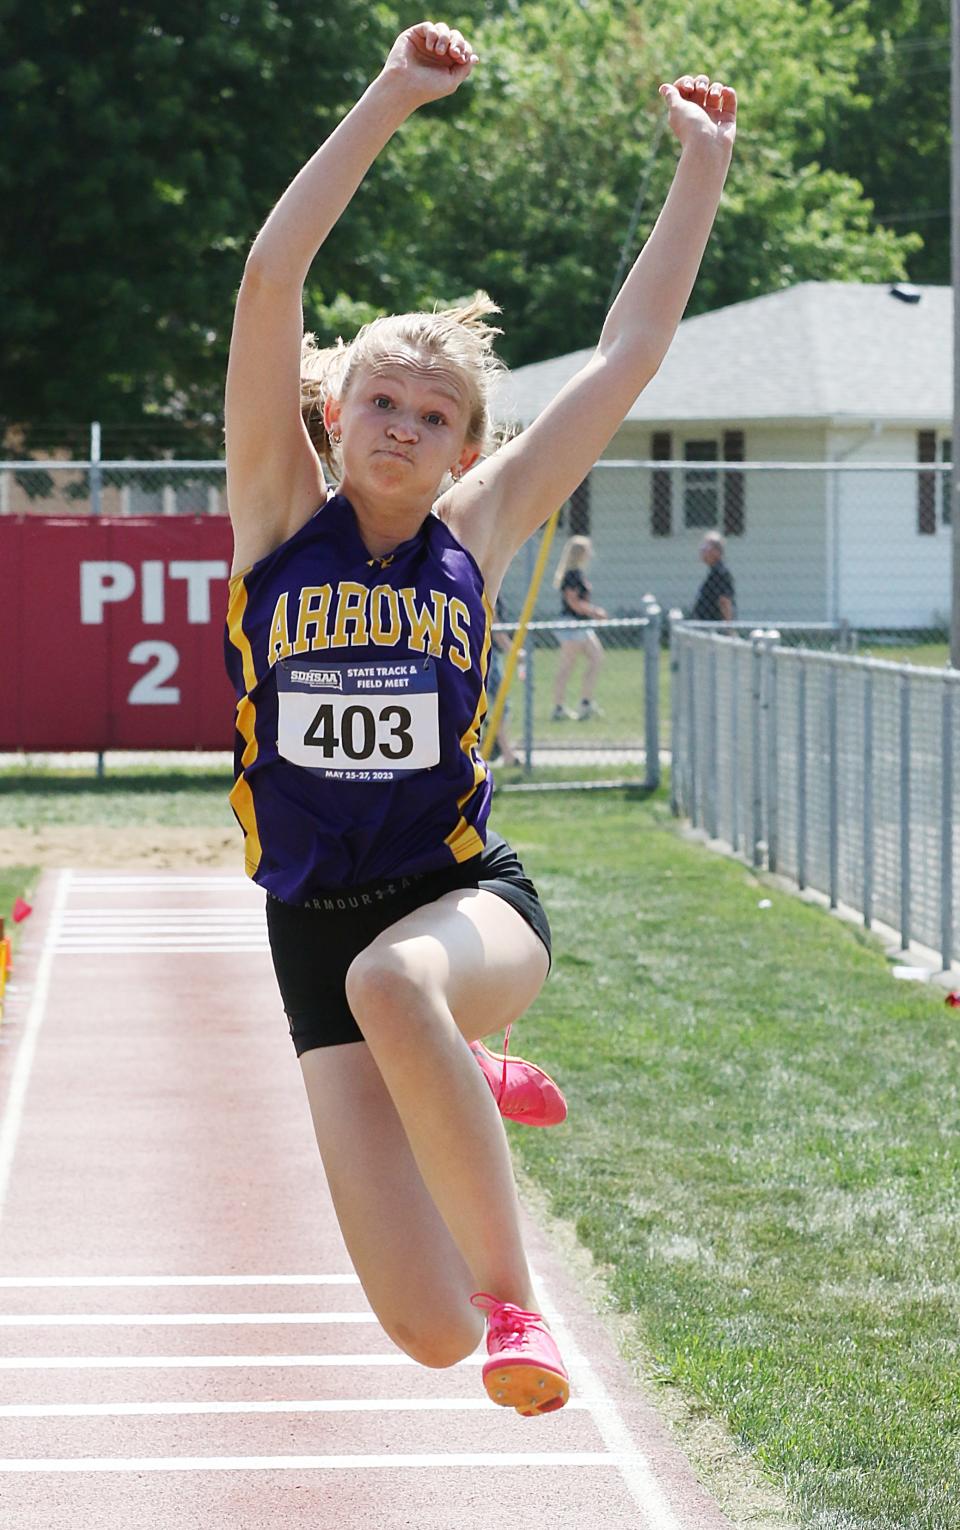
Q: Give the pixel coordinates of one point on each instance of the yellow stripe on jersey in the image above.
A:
(241, 797)
(464, 841)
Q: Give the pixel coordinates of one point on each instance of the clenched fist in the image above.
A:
(430, 61)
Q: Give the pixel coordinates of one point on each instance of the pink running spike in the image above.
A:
(523, 1092)
(524, 1370)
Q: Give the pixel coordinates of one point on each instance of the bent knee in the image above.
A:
(383, 986)
(436, 1347)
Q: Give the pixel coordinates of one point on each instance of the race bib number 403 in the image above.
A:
(363, 722)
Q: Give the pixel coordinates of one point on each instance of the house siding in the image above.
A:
(779, 564)
(890, 574)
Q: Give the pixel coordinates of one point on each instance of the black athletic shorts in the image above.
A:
(314, 944)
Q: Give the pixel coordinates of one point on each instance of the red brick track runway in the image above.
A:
(182, 1341)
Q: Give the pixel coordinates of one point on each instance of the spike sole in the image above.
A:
(531, 1389)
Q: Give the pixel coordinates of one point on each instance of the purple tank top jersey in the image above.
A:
(360, 689)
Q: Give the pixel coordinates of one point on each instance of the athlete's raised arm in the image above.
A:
(504, 499)
(274, 477)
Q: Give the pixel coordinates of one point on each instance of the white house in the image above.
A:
(823, 373)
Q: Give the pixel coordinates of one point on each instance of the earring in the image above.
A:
(456, 474)
(335, 438)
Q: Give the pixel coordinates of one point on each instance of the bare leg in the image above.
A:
(593, 650)
(506, 748)
(446, 974)
(568, 653)
(412, 1272)
(411, 1138)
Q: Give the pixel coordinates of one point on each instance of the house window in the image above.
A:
(734, 486)
(661, 499)
(701, 487)
(926, 484)
(946, 482)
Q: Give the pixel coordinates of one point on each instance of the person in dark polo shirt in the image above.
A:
(716, 600)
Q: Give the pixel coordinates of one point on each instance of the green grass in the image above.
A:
(38, 798)
(934, 654)
(763, 1152)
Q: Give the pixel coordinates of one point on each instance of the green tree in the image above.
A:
(144, 146)
(899, 149)
(532, 190)
(146, 143)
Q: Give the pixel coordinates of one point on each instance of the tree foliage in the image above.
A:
(563, 131)
(146, 144)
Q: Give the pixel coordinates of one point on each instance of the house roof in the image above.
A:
(814, 352)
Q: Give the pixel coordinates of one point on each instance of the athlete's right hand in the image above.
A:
(430, 61)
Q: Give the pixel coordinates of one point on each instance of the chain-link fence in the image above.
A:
(818, 541)
(113, 488)
(833, 770)
(585, 706)
(817, 546)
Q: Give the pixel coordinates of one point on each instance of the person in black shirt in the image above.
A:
(716, 599)
(576, 605)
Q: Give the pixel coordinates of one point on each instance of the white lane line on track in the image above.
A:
(495, 1459)
(26, 1052)
(156, 935)
(640, 1478)
(18, 1282)
(142, 911)
(208, 1362)
(154, 950)
(175, 1319)
(160, 881)
(129, 929)
(312, 1405)
(164, 919)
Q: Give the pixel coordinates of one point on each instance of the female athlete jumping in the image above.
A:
(358, 641)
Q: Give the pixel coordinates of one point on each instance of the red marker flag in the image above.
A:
(21, 910)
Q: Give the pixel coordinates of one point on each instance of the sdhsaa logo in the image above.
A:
(318, 679)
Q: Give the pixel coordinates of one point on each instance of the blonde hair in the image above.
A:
(458, 335)
(575, 553)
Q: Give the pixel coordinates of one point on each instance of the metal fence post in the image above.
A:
(96, 488)
(735, 652)
(946, 828)
(868, 850)
(770, 706)
(802, 774)
(676, 754)
(756, 815)
(713, 745)
(528, 702)
(904, 811)
(530, 643)
(651, 694)
(692, 733)
(834, 793)
(96, 470)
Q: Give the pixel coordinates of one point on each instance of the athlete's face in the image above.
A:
(403, 424)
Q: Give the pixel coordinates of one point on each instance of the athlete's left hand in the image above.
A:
(702, 111)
